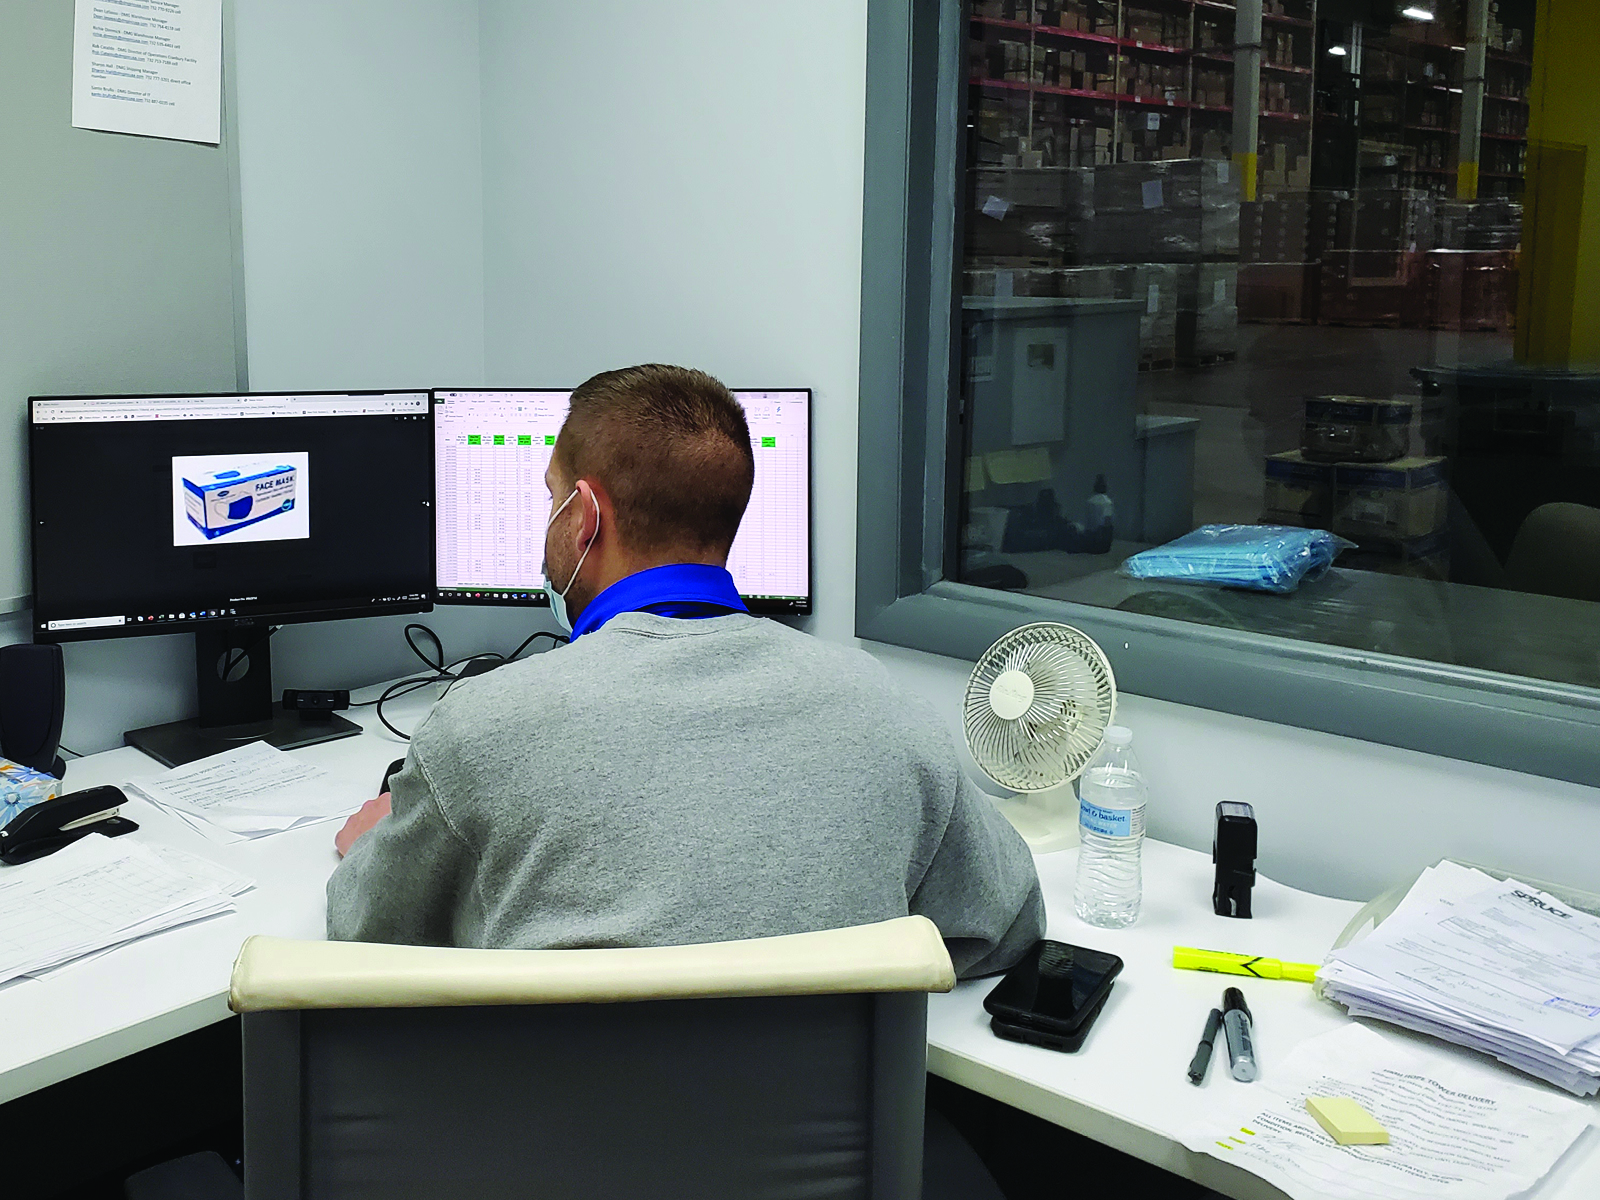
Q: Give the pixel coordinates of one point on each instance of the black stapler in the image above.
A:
(48, 826)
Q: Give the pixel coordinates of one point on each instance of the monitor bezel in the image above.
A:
(335, 610)
(765, 607)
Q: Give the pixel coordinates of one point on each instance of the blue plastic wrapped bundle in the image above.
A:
(22, 787)
(1264, 558)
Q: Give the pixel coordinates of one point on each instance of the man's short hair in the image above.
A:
(671, 447)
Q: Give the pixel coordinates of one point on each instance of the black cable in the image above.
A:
(68, 750)
(436, 663)
(403, 688)
(442, 672)
(555, 639)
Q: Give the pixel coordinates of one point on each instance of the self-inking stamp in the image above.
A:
(1233, 851)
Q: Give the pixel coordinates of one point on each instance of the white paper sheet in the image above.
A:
(250, 791)
(1456, 1132)
(1497, 966)
(151, 67)
(96, 894)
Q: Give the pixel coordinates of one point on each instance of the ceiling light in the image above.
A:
(1416, 14)
(1337, 51)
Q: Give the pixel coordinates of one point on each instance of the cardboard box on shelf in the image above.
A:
(1278, 293)
(1404, 499)
(1067, 191)
(1488, 224)
(1298, 491)
(1160, 234)
(1372, 288)
(1357, 429)
(1208, 321)
(1472, 289)
(1180, 184)
(1156, 286)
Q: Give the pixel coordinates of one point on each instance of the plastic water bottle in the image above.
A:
(1111, 797)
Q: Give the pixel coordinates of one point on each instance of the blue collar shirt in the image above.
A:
(689, 591)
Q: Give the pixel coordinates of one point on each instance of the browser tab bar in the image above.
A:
(78, 409)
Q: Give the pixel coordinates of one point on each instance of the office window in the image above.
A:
(1309, 263)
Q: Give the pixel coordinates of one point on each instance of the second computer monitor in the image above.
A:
(491, 450)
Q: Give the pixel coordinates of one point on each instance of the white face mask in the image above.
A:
(558, 599)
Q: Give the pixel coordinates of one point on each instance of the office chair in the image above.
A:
(1557, 552)
(778, 1067)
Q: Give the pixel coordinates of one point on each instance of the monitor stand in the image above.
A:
(237, 709)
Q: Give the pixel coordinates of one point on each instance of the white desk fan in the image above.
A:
(1036, 710)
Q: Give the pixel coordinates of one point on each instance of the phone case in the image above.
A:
(1013, 1003)
(1065, 1042)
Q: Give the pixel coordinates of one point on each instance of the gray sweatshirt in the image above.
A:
(666, 782)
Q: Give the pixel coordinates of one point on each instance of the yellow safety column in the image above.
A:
(1246, 94)
(1561, 217)
(1470, 147)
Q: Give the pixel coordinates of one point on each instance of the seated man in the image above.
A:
(682, 772)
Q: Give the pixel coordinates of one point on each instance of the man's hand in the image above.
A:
(365, 818)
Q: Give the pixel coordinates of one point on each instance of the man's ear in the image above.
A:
(590, 498)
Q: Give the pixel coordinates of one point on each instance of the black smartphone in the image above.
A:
(1052, 996)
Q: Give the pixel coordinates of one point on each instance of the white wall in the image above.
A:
(682, 183)
(361, 178)
(1337, 816)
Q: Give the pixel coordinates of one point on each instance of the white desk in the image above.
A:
(1125, 1088)
(91, 1013)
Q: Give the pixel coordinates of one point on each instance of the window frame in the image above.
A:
(908, 406)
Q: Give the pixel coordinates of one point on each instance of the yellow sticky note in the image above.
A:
(1346, 1121)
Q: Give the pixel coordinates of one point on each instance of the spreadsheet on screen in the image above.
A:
(491, 451)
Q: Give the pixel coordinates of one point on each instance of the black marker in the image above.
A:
(1241, 1036)
(1202, 1053)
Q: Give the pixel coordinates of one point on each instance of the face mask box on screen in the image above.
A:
(230, 497)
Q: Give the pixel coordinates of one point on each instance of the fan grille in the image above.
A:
(1074, 699)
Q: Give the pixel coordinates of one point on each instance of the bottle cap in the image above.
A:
(1118, 735)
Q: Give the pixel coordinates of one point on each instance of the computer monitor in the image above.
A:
(492, 448)
(226, 515)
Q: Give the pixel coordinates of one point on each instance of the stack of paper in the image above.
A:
(1497, 966)
(97, 894)
(1457, 1130)
(247, 792)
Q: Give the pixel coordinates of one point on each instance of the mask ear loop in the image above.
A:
(584, 556)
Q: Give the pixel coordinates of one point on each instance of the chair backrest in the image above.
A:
(780, 1067)
(1557, 552)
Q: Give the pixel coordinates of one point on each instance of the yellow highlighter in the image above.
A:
(1190, 959)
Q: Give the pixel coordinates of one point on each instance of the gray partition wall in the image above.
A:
(120, 264)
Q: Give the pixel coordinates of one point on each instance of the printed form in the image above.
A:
(249, 791)
(1457, 1131)
(1498, 966)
